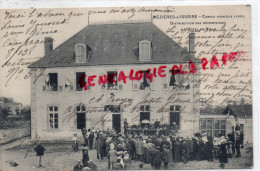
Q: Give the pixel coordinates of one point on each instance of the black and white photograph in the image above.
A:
(126, 88)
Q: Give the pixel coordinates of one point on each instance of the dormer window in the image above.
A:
(145, 52)
(80, 53)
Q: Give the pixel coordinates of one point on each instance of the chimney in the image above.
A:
(48, 43)
(191, 42)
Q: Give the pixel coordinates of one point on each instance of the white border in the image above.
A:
(5, 4)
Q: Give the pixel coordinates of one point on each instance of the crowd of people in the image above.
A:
(157, 150)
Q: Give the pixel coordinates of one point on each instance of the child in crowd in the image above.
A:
(75, 145)
(126, 159)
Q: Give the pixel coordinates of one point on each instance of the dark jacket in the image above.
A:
(78, 168)
(39, 150)
(85, 158)
(157, 157)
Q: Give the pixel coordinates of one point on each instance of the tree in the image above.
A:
(26, 113)
(17, 111)
(4, 112)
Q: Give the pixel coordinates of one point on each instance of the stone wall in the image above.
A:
(7, 135)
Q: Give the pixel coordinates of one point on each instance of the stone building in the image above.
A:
(107, 73)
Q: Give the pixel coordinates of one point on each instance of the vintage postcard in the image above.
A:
(134, 88)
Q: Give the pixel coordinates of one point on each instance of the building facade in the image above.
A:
(215, 124)
(111, 72)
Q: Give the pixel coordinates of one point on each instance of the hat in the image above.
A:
(204, 134)
(78, 161)
(85, 148)
(119, 152)
(86, 168)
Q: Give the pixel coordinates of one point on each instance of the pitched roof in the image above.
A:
(240, 111)
(116, 44)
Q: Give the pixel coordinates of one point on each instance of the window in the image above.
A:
(172, 79)
(81, 117)
(206, 126)
(144, 82)
(144, 113)
(213, 127)
(81, 81)
(53, 117)
(80, 53)
(175, 116)
(112, 80)
(145, 50)
(112, 108)
(51, 81)
(220, 127)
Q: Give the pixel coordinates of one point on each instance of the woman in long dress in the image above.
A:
(223, 157)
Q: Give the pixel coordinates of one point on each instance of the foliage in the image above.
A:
(213, 109)
(4, 112)
(26, 113)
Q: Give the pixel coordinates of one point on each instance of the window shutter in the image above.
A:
(144, 50)
(153, 85)
(80, 53)
(120, 87)
(135, 85)
(165, 82)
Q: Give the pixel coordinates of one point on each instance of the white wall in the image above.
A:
(66, 98)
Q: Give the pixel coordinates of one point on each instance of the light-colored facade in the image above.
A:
(59, 112)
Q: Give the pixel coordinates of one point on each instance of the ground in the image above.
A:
(61, 157)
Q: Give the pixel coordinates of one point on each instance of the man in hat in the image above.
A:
(125, 126)
(111, 157)
(237, 145)
(98, 148)
(177, 150)
(184, 148)
(241, 138)
(157, 158)
(39, 152)
(78, 166)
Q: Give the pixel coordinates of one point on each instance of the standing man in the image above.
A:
(40, 152)
(241, 138)
(237, 144)
(125, 126)
(98, 148)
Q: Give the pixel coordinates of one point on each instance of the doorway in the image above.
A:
(81, 120)
(144, 116)
(116, 122)
(175, 117)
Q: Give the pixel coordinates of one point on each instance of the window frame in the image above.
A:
(149, 50)
(47, 86)
(214, 129)
(81, 111)
(53, 113)
(117, 83)
(84, 53)
(145, 106)
(77, 83)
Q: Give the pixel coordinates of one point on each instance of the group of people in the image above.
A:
(158, 150)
